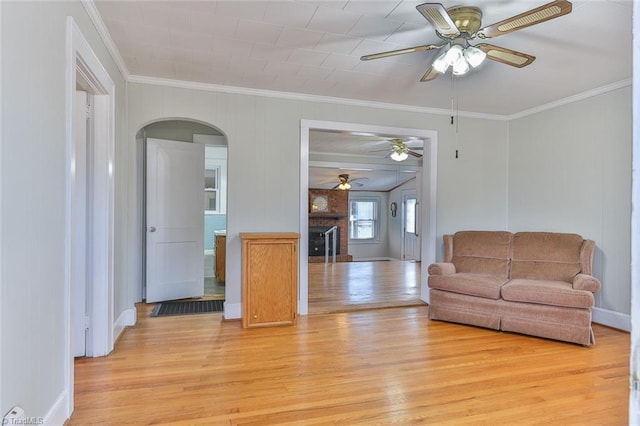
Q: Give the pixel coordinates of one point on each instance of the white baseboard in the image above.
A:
(372, 259)
(57, 415)
(232, 310)
(127, 318)
(612, 319)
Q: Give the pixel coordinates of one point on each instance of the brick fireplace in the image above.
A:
(336, 214)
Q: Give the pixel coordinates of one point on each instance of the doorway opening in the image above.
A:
(424, 186)
(89, 216)
(210, 200)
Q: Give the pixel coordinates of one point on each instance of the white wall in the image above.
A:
(472, 189)
(33, 182)
(570, 171)
(264, 151)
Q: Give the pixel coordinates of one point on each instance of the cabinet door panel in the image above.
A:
(269, 279)
(270, 295)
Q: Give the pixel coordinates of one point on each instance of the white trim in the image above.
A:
(612, 319)
(426, 187)
(1, 223)
(96, 18)
(80, 56)
(127, 318)
(374, 259)
(575, 98)
(304, 97)
(232, 310)
(155, 81)
(56, 414)
(634, 394)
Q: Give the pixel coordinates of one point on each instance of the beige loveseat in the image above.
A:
(536, 283)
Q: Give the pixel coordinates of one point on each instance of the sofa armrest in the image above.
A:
(586, 282)
(443, 268)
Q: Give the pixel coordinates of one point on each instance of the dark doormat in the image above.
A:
(165, 309)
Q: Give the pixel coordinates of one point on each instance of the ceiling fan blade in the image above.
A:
(431, 74)
(506, 56)
(400, 52)
(439, 18)
(535, 16)
(415, 154)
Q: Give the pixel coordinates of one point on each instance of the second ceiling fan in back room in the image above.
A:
(344, 183)
(457, 26)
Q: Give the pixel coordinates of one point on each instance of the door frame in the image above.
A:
(82, 61)
(426, 186)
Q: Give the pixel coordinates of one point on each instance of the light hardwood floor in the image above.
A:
(366, 367)
(347, 286)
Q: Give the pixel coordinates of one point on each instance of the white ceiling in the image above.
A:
(314, 48)
(365, 158)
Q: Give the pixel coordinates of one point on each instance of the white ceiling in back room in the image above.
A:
(314, 48)
(364, 158)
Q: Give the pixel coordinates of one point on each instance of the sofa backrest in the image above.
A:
(547, 255)
(483, 252)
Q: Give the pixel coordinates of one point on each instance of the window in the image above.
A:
(211, 189)
(363, 219)
(410, 216)
(215, 180)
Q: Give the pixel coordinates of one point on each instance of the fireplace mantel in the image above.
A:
(327, 216)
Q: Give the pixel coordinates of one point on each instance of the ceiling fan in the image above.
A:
(345, 183)
(457, 26)
(400, 151)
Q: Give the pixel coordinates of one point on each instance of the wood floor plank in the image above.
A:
(346, 286)
(364, 367)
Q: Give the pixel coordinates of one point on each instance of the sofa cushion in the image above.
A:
(546, 256)
(486, 286)
(483, 252)
(546, 292)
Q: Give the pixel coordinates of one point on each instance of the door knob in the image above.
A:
(152, 229)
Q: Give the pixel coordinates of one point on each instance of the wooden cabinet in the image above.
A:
(269, 278)
(220, 252)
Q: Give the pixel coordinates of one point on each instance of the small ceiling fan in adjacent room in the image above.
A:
(345, 183)
(400, 150)
(457, 26)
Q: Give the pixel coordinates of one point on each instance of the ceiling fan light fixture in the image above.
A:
(399, 156)
(440, 64)
(344, 186)
(453, 54)
(461, 66)
(474, 56)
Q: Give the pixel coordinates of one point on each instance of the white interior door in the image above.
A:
(174, 220)
(411, 227)
(79, 227)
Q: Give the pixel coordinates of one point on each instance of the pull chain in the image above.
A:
(455, 113)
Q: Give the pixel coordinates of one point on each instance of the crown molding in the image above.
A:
(575, 98)
(98, 23)
(304, 97)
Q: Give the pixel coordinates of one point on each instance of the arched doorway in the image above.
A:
(213, 194)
